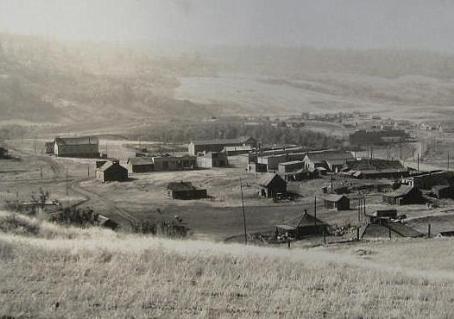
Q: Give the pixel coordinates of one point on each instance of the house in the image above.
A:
(300, 175)
(443, 191)
(405, 195)
(272, 161)
(77, 147)
(185, 191)
(174, 163)
(331, 160)
(288, 167)
(271, 185)
(211, 159)
(112, 171)
(375, 168)
(339, 202)
(217, 145)
(140, 165)
(307, 225)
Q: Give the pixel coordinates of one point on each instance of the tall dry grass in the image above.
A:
(101, 274)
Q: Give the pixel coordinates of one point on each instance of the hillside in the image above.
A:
(52, 272)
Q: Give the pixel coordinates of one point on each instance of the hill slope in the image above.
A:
(99, 273)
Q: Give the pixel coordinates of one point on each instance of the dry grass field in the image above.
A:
(51, 272)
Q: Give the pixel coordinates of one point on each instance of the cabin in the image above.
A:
(338, 202)
(443, 191)
(307, 225)
(112, 171)
(211, 159)
(140, 165)
(271, 185)
(82, 147)
(405, 195)
(217, 145)
(185, 191)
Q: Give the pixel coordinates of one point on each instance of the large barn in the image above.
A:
(84, 147)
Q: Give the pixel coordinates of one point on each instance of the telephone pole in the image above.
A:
(67, 183)
(244, 213)
(448, 160)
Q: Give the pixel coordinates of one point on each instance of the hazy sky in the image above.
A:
(426, 24)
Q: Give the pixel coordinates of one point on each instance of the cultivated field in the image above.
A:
(53, 272)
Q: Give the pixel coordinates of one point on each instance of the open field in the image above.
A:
(107, 275)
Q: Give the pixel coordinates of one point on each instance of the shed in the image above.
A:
(443, 191)
(185, 191)
(112, 171)
(405, 195)
(140, 165)
(271, 185)
(339, 202)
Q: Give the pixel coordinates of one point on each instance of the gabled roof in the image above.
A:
(334, 197)
(238, 140)
(401, 191)
(305, 220)
(266, 179)
(86, 140)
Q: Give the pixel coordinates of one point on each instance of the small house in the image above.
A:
(185, 191)
(339, 202)
(307, 225)
(140, 165)
(112, 171)
(271, 185)
(405, 195)
(443, 191)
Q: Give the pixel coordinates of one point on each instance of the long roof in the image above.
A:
(181, 186)
(375, 165)
(330, 155)
(141, 161)
(266, 179)
(334, 197)
(85, 140)
(401, 191)
(238, 140)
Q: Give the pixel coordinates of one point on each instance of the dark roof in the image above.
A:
(401, 191)
(181, 186)
(305, 220)
(108, 165)
(371, 165)
(382, 230)
(238, 140)
(86, 140)
(141, 161)
(330, 156)
(266, 179)
(334, 197)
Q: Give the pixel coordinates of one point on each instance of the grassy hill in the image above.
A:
(53, 272)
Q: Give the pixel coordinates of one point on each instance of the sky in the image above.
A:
(357, 24)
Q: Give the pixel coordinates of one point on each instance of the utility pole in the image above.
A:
(448, 161)
(244, 213)
(67, 183)
(418, 162)
(88, 167)
(315, 209)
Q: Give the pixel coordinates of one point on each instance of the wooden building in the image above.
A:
(84, 147)
(140, 165)
(405, 195)
(443, 191)
(339, 202)
(375, 168)
(112, 171)
(174, 163)
(288, 167)
(212, 159)
(331, 160)
(217, 145)
(271, 185)
(307, 225)
(185, 191)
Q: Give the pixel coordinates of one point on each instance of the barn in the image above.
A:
(405, 195)
(140, 165)
(185, 191)
(84, 147)
(271, 185)
(339, 202)
(112, 171)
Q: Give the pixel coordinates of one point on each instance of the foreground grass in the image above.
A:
(101, 274)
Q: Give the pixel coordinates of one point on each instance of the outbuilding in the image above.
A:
(307, 225)
(405, 195)
(271, 185)
(140, 165)
(112, 171)
(185, 191)
(339, 202)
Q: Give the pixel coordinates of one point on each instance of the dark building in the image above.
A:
(271, 185)
(211, 159)
(307, 225)
(443, 191)
(405, 195)
(217, 145)
(257, 168)
(375, 168)
(377, 137)
(339, 202)
(185, 191)
(87, 147)
(3, 153)
(140, 165)
(112, 171)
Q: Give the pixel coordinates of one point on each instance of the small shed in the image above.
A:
(185, 191)
(405, 195)
(140, 165)
(112, 171)
(339, 202)
(443, 191)
(271, 185)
